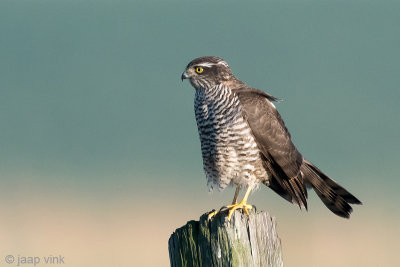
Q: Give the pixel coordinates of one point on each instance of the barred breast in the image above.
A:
(230, 153)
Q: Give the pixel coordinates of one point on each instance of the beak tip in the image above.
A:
(184, 76)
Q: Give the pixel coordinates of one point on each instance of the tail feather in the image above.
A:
(334, 196)
(299, 191)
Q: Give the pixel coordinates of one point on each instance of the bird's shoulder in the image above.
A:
(258, 109)
(253, 93)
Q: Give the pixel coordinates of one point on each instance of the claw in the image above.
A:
(242, 205)
(212, 214)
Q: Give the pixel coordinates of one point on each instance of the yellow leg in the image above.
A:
(242, 205)
(234, 201)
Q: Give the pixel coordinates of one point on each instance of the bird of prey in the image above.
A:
(244, 142)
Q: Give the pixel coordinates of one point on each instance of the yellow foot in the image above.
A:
(242, 205)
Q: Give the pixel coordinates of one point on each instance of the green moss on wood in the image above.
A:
(242, 241)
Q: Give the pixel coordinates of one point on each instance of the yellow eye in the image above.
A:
(199, 70)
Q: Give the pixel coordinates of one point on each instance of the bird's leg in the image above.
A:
(242, 205)
(212, 214)
(236, 194)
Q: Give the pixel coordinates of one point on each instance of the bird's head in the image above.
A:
(207, 72)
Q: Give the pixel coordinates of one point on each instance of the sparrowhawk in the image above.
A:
(244, 142)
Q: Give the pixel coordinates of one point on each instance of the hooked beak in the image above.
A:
(185, 76)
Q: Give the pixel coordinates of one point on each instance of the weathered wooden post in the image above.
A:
(242, 241)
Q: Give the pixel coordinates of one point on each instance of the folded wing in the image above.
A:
(281, 157)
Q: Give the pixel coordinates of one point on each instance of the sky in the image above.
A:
(99, 152)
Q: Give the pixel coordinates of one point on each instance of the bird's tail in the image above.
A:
(334, 196)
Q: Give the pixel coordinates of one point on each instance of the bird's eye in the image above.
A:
(199, 70)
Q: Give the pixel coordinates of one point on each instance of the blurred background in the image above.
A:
(99, 151)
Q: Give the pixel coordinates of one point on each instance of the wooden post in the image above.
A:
(242, 241)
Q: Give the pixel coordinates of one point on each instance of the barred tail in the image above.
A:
(334, 196)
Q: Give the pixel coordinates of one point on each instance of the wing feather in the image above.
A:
(273, 139)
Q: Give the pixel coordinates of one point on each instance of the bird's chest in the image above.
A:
(228, 147)
(218, 115)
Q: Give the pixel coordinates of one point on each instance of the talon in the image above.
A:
(245, 210)
(223, 208)
(212, 214)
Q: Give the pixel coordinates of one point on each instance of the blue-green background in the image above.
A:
(95, 120)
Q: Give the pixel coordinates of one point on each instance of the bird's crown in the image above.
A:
(208, 61)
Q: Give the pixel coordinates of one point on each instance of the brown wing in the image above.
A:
(280, 155)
